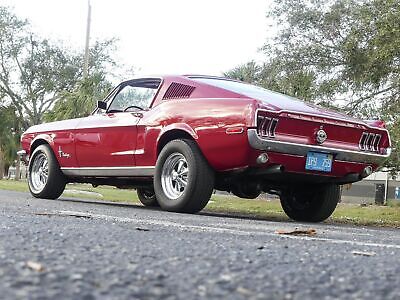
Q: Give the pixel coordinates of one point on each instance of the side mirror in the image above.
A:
(102, 105)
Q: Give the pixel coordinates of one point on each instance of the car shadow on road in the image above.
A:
(202, 213)
(245, 216)
(109, 203)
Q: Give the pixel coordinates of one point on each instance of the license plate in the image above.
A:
(317, 161)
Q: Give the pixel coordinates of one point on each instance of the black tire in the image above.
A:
(310, 203)
(147, 197)
(41, 187)
(185, 159)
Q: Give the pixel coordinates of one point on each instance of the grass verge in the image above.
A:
(388, 216)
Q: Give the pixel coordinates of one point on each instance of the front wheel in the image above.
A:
(183, 180)
(45, 179)
(313, 203)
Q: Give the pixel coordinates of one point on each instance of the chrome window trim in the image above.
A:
(147, 171)
(110, 96)
(132, 83)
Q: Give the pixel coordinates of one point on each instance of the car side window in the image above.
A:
(132, 98)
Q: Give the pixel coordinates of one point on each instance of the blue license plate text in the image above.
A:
(317, 161)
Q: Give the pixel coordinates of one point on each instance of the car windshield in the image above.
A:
(136, 94)
(246, 89)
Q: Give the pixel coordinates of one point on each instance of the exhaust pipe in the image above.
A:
(366, 172)
(275, 169)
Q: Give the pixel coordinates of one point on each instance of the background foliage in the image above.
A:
(41, 80)
(343, 53)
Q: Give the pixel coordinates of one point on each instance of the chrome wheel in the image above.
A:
(183, 179)
(174, 176)
(39, 172)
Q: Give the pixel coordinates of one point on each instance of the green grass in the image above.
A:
(262, 209)
(107, 193)
(394, 203)
(345, 213)
(368, 215)
(19, 186)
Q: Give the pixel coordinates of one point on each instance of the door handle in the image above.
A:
(137, 114)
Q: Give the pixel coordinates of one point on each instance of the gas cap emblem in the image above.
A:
(321, 136)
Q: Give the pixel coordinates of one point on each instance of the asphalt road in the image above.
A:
(86, 250)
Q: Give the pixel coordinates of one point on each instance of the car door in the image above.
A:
(107, 139)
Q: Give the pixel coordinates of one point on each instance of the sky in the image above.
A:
(159, 36)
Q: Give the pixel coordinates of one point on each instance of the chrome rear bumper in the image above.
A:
(273, 145)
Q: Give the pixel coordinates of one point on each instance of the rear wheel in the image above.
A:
(310, 203)
(183, 180)
(45, 179)
(147, 197)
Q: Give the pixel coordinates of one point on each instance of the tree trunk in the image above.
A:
(1, 165)
(18, 169)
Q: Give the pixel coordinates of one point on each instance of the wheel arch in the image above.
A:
(41, 139)
(174, 133)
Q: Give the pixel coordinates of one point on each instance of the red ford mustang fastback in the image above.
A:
(177, 138)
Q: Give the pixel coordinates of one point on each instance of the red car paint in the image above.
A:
(219, 121)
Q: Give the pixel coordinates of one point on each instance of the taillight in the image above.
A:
(370, 141)
(266, 125)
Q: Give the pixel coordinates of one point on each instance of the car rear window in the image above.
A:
(245, 89)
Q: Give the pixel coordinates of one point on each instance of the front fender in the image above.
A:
(46, 137)
(62, 145)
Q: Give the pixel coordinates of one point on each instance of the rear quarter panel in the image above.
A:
(207, 121)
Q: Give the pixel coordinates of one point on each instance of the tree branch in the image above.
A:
(351, 107)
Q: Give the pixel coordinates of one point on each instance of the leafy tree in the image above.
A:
(337, 52)
(391, 114)
(277, 76)
(352, 47)
(9, 137)
(38, 76)
(79, 102)
(249, 72)
(35, 73)
(32, 71)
